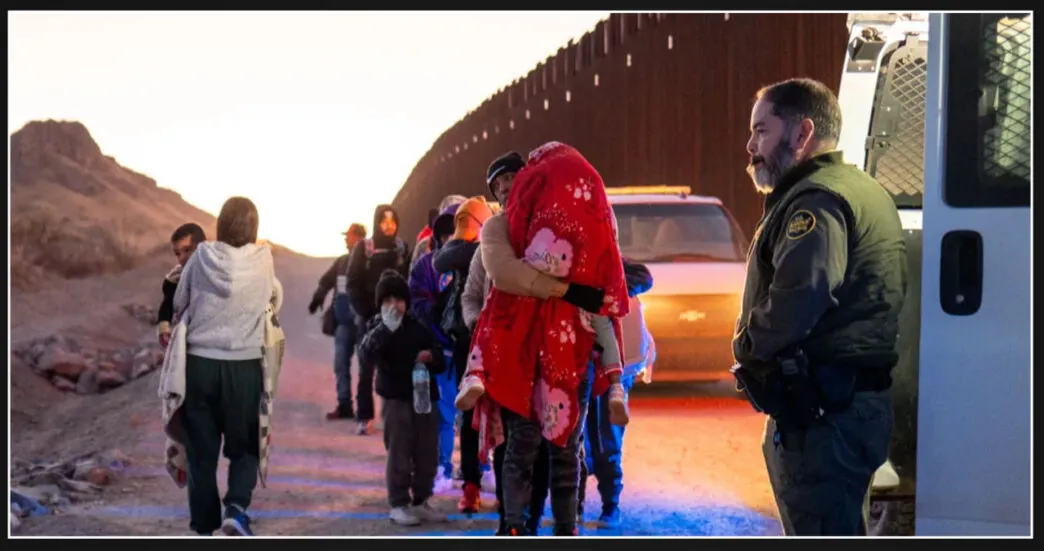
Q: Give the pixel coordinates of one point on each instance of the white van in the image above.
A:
(937, 108)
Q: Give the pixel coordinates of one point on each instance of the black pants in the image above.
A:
(522, 446)
(222, 399)
(541, 484)
(469, 437)
(820, 476)
(412, 442)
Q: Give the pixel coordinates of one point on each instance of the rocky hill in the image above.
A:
(76, 212)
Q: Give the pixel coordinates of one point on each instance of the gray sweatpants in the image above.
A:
(412, 442)
(821, 476)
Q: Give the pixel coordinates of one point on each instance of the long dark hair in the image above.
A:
(237, 222)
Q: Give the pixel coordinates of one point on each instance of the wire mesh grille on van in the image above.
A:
(1007, 86)
(896, 144)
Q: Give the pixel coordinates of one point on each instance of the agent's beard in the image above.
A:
(768, 171)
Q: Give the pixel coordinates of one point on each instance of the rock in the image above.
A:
(105, 365)
(83, 469)
(100, 476)
(109, 379)
(15, 523)
(141, 369)
(114, 460)
(59, 361)
(38, 350)
(124, 368)
(70, 344)
(79, 486)
(88, 383)
(61, 383)
(142, 355)
(19, 466)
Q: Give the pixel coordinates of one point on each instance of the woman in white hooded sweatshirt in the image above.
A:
(222, 296)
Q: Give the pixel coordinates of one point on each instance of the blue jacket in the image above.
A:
(427, 287)
(430, 289)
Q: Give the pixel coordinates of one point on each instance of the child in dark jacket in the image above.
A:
(396, 341)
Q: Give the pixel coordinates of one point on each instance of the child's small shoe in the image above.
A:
(471, 389)
(618, 414)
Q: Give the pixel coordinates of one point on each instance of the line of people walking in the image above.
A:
(464, 259)
(513, 322)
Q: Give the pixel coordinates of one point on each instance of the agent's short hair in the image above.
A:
(191, 229)
(237, 222)
(803, 98)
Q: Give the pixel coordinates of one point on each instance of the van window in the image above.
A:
(988, 111)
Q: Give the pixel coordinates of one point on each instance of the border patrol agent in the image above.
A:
(816, 336)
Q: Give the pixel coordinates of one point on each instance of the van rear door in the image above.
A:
(973, 438)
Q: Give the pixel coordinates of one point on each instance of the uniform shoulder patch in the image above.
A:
(800, 224)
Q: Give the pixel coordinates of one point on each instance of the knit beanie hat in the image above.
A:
(392, 284)
(511, 161)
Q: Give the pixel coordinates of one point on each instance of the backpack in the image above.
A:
(400, 251)
(452, 317)
(442, 298)
(639, 347)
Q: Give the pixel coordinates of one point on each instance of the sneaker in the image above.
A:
(489, 482)
(364, 428)
(426, 513)
(443, 483)
(565, 530)
(610, 519)
(470, 391)
(236, 522)
(618, 414)
(339, 413)
(403, 517)
(472, 499)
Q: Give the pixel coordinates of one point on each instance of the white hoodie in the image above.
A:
(222, 295)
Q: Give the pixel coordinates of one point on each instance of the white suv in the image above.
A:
(697, 256)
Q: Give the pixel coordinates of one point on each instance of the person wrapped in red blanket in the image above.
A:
(529, 356)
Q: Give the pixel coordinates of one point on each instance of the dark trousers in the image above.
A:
(522, 446)
(470, 466)
(412, 442)
(344, 347)
(820, 476)
(541, 484)
(222, 399)
(603, 450)
(364, 389)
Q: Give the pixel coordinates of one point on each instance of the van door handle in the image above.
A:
(960, 273)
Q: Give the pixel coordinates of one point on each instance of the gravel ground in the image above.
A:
(692, 457)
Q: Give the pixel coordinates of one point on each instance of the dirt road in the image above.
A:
(692, 463)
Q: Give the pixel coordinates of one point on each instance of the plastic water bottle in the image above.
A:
(421, 389)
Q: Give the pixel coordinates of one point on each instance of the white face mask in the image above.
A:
(391, 317)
